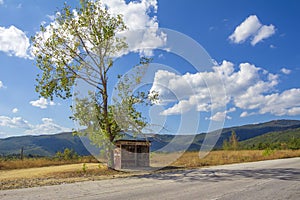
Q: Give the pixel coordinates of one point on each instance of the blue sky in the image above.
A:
(255, 47)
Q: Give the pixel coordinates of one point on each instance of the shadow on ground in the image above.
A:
(216, 175)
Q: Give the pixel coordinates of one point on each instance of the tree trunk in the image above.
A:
(22, 153)
(110, 158)
(110, 151)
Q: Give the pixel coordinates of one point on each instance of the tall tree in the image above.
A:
(81, 45)
(233, 141)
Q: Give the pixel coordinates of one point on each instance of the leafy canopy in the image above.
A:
(81, 44)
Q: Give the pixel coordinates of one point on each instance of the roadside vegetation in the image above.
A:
(191, 159)
(231, 153)
(19, 171)
(68, 156)
(280, 140)
(68, 167)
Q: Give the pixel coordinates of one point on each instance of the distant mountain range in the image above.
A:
(248, 135)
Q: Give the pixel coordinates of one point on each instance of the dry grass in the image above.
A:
(41, 162)
(40, 172)
(53, 175)
(191, 159)
(29, 173)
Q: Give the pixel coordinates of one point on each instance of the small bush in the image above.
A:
(267, 152)
(84, 167)
(68, 154)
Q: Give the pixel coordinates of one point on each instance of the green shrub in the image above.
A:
(68, 154)
(84, 167)
(267, 152)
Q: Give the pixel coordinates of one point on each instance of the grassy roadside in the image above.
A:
(42, 162)
(192, 159)
(46, 173)
(54, 175)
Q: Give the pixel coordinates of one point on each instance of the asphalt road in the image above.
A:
(276, 179)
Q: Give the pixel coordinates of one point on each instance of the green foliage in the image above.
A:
(67, 154)
(232, 144)
(281, 140)
(233, 141)
(77, 44)
(82, 45)
(294, 143)
(84, 167)
(226, 145)
(268, 152)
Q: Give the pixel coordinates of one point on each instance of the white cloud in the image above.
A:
(252, 28)
(280, 104)
(246, 29)
(1, 2)
(2, 85)
(220, 116)
(15, 110)
(42, 103)
(246, 114)
(142, 35)
(4, 135)
(294, 111)
(263, 33)
(48, 126)
(14, 42)
(248, 88)
(15, 122)
(285, 71)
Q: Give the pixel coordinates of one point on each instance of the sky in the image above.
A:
(215, 63)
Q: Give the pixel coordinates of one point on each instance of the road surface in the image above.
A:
(276, 179)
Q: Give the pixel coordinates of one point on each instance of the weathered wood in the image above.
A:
(131, 154)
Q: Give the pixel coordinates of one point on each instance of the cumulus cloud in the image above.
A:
(2, 85)
(14, 42)
(285, 71)
(220, 116)
(263, 33)
(48, 126)
(248, 88)
(15, 110)
(253, 29)
(42, 103)
(247, 114)
(143, 33)
(4, 135)
(280, 104)
(15, 122)
(246, 29)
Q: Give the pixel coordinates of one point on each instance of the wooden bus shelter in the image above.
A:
(131, 154)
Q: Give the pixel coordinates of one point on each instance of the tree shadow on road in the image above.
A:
(216, 175)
